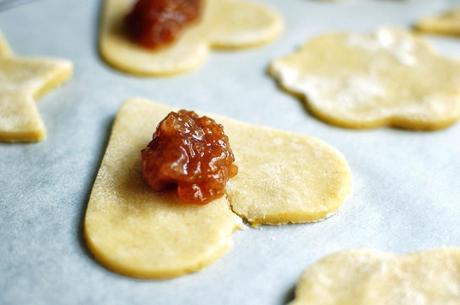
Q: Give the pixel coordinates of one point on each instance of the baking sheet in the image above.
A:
(406, 192)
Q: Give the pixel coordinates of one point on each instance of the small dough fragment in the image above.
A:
(230, 24)
(21, 82)
(386, 78)
(138, 232)
(447, 23)
(363, 277)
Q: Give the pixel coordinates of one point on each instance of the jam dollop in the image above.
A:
(191, 153)
(154, 23)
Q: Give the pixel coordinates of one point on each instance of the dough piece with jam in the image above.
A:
(448, 23)
(361, 277)
(138, 232)
(386, 78)
(22, 80)
(229, 24)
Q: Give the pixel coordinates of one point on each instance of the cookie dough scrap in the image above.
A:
(22, 80)
(135, 231)
(448, 23)
(386, 78)
(362, 277)
(228, 24)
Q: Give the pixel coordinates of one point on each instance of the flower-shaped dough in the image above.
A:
(230, 24)
(133, 230)
(21, 81)
(448, 23)
(389, 77)
(363, 277)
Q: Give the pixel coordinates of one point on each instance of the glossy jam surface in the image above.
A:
(155, 23)
(191, 153)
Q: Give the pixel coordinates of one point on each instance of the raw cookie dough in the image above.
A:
(138, 232)
(284, 177)
(389, 77)
(231, 24)
(21, 82)
(135, 231)
(363, 277)
(448, 23)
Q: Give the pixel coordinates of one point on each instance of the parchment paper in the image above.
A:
(406, 193)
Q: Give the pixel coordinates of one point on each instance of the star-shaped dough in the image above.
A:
(282, 177)
(364, 277)
(448, 23)
(228, 24)
(22, 80)
(389, 77)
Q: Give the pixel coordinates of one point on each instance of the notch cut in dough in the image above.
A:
(141, 233)
(447, 23)
(386, 78)
(362, 277)
(22, 80)
(226, 24)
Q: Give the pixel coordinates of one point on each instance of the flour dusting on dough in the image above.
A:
(363, 277)
(389, 77)
(384, 39)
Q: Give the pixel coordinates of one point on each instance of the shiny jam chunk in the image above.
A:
(154, 23)
(191, 153)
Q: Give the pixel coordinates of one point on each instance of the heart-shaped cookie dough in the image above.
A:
(389, 77)
(21, 81)
(448, 23)
(231, 24)
(133, 230)
(363, 277)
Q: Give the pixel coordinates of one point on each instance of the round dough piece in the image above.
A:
(133, 230)
(363, 277)
(448, 23)
(230, 24)
(284, 177)
(389, 77)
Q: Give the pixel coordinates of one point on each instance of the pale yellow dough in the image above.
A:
(363, 277)
(137, 232)
(22, 80)
(284, 177)
(389, 77)
(448, 23)
(224, 24)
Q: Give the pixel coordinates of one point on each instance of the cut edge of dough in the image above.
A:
(63, 72)
(24, 136)
(203, 261)
(124, 67)
(392, 121)
(5, 49)
(303, 217)
(436, 25)
(270, 34)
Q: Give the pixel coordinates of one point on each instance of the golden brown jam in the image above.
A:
(191, 153)
(154, 23)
